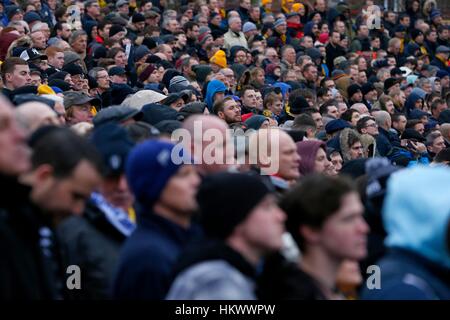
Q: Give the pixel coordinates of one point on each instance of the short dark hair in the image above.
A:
(396, 116)
(324, 107)
(62, 149)
(313, 201)
(348, 114)
(219, 105)
(410, 124)
(441, 28)
(310, 111)
(307, 66)
(113, 51)
(322, 92)
(245, 88)
(434, 105)
(304, 121)
(9, 64)
(189, 25)
(361, 124)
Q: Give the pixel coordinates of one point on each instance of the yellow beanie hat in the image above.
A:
(45, 89)
(264, 2)
(296, 6)
(219, 58)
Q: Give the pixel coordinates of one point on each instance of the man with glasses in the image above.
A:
(92, 11)
(272, 55)
(102, 91)
(77, 76)
(367, 125)
(230, 79)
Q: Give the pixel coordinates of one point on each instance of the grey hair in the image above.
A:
(233, 19)
(94, 72)
(37, 27)
(76, 34)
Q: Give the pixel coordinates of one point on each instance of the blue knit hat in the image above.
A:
(279, 22)
(150, 166)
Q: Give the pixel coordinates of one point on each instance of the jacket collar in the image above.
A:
(175, 231)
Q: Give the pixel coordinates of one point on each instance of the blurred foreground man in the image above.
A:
(165, 192)
(240, 231)
(64, 171)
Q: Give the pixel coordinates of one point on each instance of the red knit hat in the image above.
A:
(323, 38)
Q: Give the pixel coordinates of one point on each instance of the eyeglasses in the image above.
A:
(373, 125)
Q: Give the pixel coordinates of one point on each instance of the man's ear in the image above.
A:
(221, 115)
(8, 77)
(43, 172)
(311, 235)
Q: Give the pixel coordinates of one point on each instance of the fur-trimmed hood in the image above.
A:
(346, 135)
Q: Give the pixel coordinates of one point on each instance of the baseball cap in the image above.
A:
(442, 49)
(117, 71)
(78, 98)
(116, 114)
(114, 145)
(32, 54)
(121, 3)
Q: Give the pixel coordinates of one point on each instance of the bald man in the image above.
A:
(210, 143)
(361, 108)
(276, 154)
(445, 131)
(33, 115)
(14, 155)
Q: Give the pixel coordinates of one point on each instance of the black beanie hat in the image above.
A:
(225, 201)
(137, 17)
(298, 104)
(352, 89)
(115, 29)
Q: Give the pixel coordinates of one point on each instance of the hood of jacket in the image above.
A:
(345, 136)
(416, 212)
(411, 49)
(411, 101)
(213, 87)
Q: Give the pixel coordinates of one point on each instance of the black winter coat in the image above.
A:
(93, 244)
(25, 272)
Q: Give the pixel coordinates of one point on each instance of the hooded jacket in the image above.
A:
(344, 139)
(411, 102)
(416, 215)
(214, 86)
(308, 151)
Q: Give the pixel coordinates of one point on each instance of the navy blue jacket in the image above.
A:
(148, 256)
(406, 275)
(384, 142)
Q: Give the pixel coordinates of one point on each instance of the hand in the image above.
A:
(420, 147)
(126, 41)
